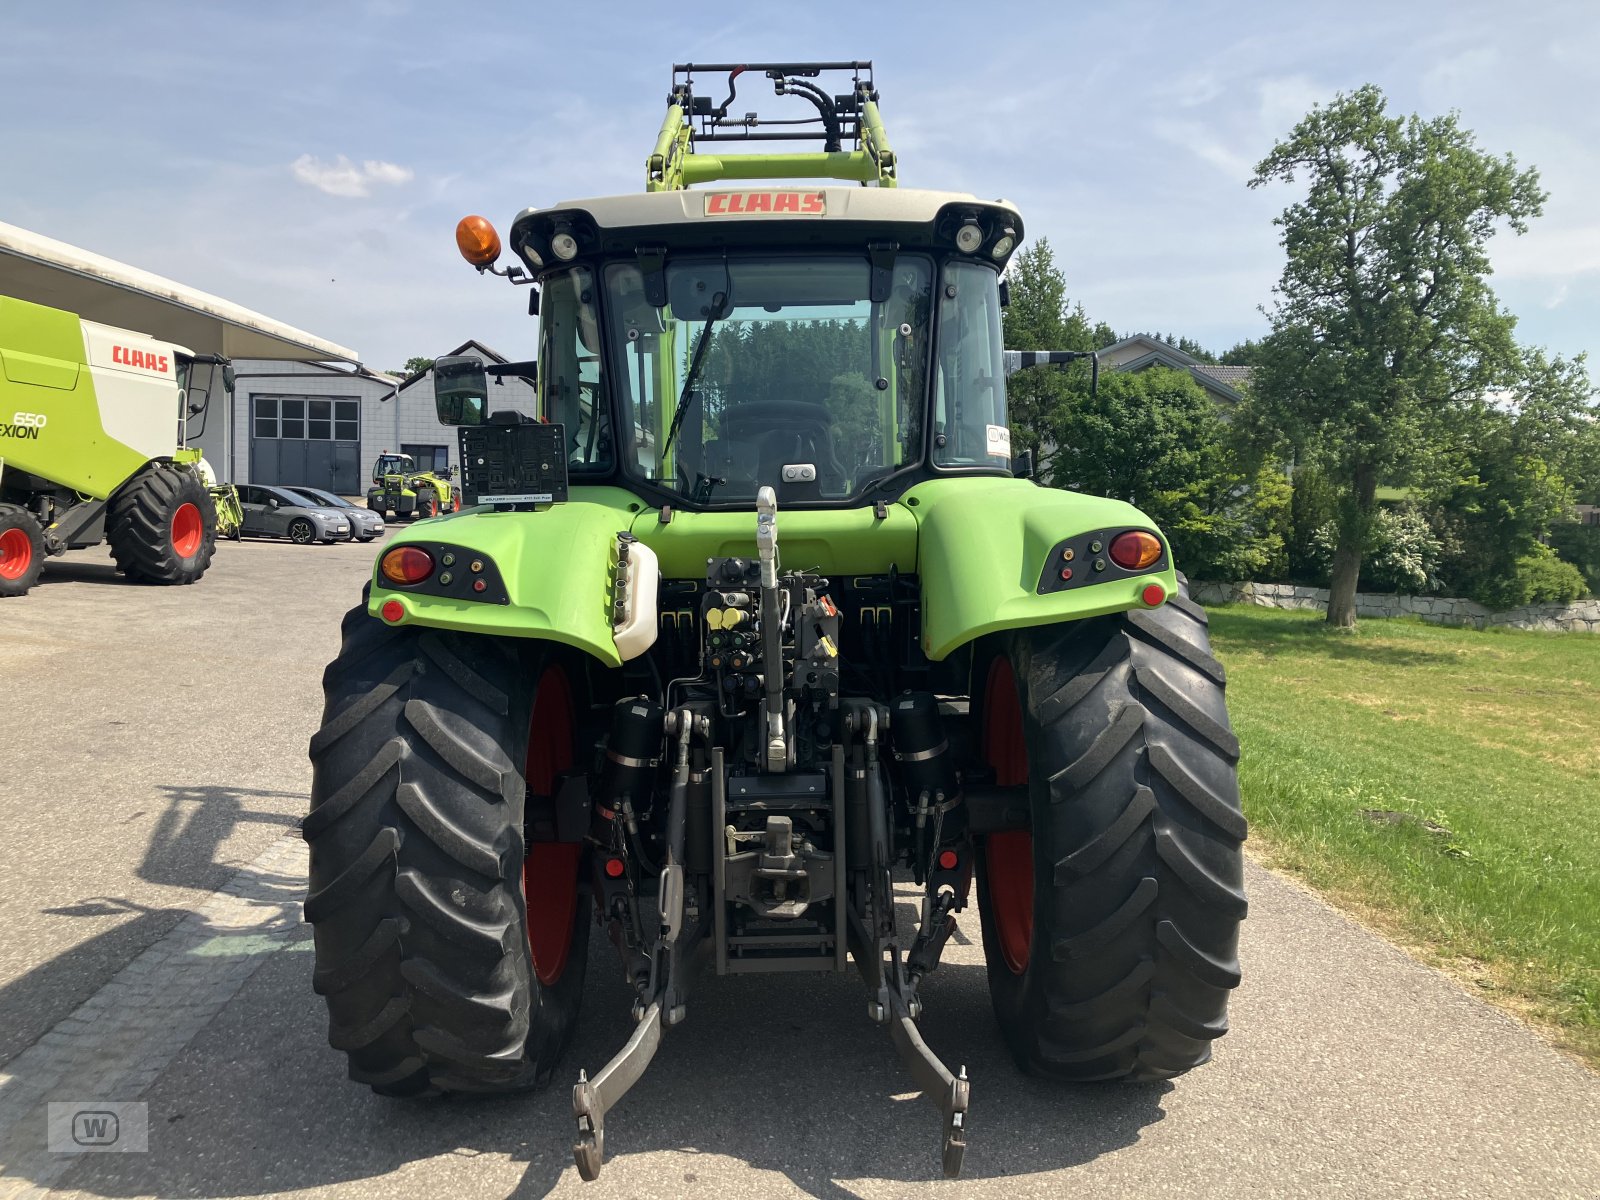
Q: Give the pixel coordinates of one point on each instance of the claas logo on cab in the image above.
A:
(741, 204)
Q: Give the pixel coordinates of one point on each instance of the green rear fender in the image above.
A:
(556, 566)
(983, 544)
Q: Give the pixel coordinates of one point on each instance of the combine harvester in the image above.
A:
(104, 399)
(757, 615)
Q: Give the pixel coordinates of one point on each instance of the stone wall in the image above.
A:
(1583, 616)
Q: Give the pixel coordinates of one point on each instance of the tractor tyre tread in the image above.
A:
(416, 837)
(1137, 836)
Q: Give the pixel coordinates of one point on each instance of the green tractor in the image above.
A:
(95, 425)
(399, 489)
(757, 621)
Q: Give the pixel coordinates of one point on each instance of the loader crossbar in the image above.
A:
(849, 116)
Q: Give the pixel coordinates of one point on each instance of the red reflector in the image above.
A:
(614, 868)
(392, 611)
(1135, 550)
(406, 564)
(1154, 594)
(479, 585)
(948, 860)
(1066, 573)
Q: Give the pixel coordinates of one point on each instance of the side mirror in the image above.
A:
(272, 502)
(229, 378)
(460, 390)
(1022, 464)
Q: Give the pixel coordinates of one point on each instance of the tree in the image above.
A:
(1384, 330)
(1512, 486)
(1242, 354)
(414, 366)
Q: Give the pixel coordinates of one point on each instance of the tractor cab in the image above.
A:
(202, 380)
(389, 464)
(837, 360)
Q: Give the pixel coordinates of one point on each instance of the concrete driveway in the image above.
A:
(151, 950)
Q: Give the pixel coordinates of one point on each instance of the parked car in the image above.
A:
(278, 512)
(364, 523)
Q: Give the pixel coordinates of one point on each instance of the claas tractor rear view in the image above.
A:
(751, 625)
(95, 425)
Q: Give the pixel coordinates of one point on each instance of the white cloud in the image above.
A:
(344, 178)
(1202, 141)
(1547, 252)
(1284, 100)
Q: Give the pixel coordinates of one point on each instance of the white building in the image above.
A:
(324, 426)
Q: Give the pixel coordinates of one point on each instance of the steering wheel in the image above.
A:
(784, 429)
(769, 415)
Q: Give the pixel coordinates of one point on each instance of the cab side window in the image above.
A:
(571, 382)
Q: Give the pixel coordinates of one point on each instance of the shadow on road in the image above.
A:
(57, 571)
(184, 845)
(785, 1075)
(184, 851)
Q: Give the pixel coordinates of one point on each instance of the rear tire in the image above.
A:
(162, 527)
(427, 505)
(417, 866)
(1119, 962)
(21, 550)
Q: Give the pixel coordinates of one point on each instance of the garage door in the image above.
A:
(309, 440)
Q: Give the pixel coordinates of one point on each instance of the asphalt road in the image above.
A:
(159, 756)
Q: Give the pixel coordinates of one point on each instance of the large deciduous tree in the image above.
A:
(1384, 330)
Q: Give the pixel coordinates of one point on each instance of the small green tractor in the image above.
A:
(756, 622)
(95, 425)
(399, 489)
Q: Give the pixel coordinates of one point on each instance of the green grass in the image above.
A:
(1442, 784)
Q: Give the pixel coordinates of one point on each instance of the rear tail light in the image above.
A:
(405, 565)
(1135, 550)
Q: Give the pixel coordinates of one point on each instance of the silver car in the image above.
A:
(277, 512)
(364, 523)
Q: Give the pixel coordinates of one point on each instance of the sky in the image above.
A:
(310, 160)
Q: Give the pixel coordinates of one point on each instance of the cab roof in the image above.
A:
(755, 215)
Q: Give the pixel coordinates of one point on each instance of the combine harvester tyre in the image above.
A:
(162, 527)
(420, 884)
(1111, 928)
(21, 550)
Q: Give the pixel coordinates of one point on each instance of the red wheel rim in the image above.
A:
(16, 553)
(550, 870)
(188, 531)
(1008, 857)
